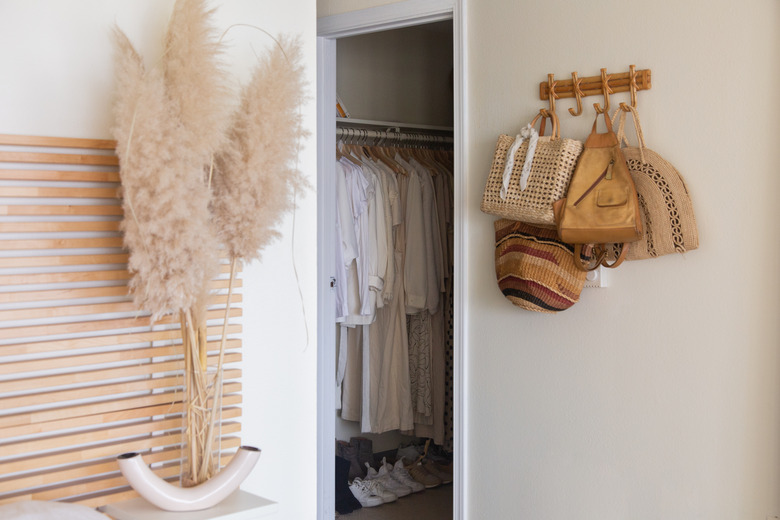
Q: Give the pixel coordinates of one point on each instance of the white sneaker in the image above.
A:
(399, 473)
(391, 484)
(371, 473)
(376, 488)
(362, 492)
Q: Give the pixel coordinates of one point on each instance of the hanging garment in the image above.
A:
(364, 282)
(445, 198)
(419, 327)
(415, 265)
(360, 192)
(433, 255)
(430, 422)
(392, 360)
(346, 245)
(390, 396)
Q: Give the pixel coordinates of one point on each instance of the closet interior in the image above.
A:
(394, 281)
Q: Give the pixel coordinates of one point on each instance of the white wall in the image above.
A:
(331, 7)
(658, 397)
(58, 80)
(403, 75)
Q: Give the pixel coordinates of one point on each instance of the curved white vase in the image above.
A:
(203, 496)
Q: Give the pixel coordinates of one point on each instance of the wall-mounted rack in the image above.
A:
(603, 85)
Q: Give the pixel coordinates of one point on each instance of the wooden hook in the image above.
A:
(577, 89)
(632, 83)
(606, 91)
(553, 95)
(632, 86)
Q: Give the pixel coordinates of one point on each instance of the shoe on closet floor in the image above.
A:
(379, 490)
(347, 451)
(421, 475)
(345, 500)
(438, 471)
(387, 481)
(400, 474)
(410, 452)
(364, 493)
(365, 450)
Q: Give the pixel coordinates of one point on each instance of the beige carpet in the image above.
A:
(431, 504)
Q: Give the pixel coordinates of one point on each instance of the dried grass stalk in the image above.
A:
(255, 174)
(195, 78)
(167, 226)
(171, 128)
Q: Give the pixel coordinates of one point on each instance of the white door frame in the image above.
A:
(392, 16)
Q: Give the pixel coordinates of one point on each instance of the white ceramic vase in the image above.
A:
(203, 496)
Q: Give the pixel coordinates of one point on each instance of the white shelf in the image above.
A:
(238, 506)
(390, 124)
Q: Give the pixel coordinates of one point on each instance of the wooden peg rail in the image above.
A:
(593, 85)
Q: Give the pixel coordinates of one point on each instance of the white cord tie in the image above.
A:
(530, 133)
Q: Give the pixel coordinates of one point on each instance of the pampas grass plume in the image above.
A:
(256, 174)
(195, 78)
(167, 229)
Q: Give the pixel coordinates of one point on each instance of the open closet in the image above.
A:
(393, 287)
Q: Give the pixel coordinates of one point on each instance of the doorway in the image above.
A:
(330, 29)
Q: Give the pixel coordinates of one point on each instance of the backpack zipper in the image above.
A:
(606, 174)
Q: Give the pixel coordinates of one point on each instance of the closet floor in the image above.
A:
(432, 504)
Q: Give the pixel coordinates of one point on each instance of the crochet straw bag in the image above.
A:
(547, 174)
(664, 200)
(534, 269)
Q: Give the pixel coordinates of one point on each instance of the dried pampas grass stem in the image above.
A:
(255, 173)
(192, 170)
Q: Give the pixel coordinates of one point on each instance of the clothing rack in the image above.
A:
(390, 132)
(392, 136)
(351, 122)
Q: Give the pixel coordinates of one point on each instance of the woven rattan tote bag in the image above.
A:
(664, 200)
(529, 198)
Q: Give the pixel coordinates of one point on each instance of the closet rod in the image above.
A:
(351, 122)
(411, 137)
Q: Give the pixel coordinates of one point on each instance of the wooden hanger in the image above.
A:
(343, 153)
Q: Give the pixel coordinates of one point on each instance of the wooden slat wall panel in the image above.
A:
(84, 376)
(57, 175)
(96, 308)
(70, 210)
(70, 260)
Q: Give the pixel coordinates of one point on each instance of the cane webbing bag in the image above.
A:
(664, 200)
(530, 199)
(534, 269)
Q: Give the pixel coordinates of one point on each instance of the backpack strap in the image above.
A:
(619, 259)
(599, 256)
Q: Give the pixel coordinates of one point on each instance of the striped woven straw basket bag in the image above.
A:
(524, 188)
(534, 269)
(664, 200)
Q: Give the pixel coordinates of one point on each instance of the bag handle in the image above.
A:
(596, 259)
(606, 121)
(599, 257)
(621, 134)
(619, 260)
(546, 114)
